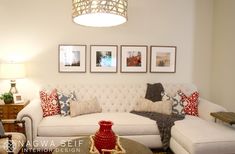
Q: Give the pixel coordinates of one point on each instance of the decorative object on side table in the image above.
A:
(134, 58)
(163, 59)
(12, 71)
(7, 98)
(72, 58)
(228, 117)
(103, 58)
(18, 98)
(105, 138)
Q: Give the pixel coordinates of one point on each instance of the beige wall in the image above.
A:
(31, 31)
(203, 46)
(223, 72)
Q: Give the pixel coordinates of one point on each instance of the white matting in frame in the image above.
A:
(163, 59)
(103, 58)
(72, 58)
(134, 58)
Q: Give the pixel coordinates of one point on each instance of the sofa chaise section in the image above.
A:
(198, 136)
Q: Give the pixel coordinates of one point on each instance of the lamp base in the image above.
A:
(13, 89)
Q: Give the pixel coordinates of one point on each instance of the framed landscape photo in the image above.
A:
(103, 58)
(163, 59)
(134, 58)
(72, 58)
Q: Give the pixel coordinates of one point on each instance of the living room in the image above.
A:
(201, 30)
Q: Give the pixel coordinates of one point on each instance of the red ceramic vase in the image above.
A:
(105, 138)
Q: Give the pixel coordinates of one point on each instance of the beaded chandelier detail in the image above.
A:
(100, 13)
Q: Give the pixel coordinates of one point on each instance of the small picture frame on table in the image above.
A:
(162, 59)
(134, 58)
(18, 98)
(72, 58)
(103, 58)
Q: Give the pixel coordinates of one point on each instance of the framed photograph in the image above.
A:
(163, 59)
(72, 58)
(134, 58)
(18, 98)
(103, 58)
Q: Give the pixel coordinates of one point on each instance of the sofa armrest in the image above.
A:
(205, 107)
(32, 115)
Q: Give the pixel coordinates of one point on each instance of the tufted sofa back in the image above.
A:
(118, 98)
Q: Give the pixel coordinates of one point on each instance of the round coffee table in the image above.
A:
(82, 145)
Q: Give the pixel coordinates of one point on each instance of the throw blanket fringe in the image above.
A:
(164, 123)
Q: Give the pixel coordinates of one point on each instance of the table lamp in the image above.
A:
(12, 71)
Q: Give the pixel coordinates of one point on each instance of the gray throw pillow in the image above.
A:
(2, 131)
(154, 91)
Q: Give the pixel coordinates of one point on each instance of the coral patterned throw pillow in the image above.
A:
(190, 103)
(49, 103)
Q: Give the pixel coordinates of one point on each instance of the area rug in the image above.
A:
(160, 151)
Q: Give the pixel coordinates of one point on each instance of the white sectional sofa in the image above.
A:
(193, 135)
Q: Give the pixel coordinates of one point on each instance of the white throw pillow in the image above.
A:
(84, 107)
(146, 105)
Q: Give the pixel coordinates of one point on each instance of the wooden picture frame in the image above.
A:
(72, 58)
(103, 58)
(134, 58)
(163, 59)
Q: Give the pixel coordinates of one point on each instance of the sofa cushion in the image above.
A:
(49, 103)
(190, 103)
(154, 91)
(198, 136)
(177, 104)
(65, 100)
(124, 124)
(146, 105)
(84, 107)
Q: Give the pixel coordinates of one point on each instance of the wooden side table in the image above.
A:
(10, 111)
(228, 117)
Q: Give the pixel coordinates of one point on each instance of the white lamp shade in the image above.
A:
(99, 20)
(12, 71)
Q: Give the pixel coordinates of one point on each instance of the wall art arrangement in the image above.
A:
(72, 58)
(104, 58)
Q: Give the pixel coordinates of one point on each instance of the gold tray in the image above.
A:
(118, 148)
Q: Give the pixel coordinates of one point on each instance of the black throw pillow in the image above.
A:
(2, 131)
(154, 91)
